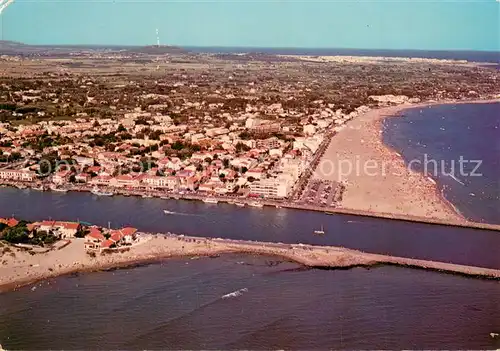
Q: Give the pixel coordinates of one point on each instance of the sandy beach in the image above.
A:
(19, 267)
(379, 180)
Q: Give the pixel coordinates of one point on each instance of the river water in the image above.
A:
(178, 303)
(416, 240)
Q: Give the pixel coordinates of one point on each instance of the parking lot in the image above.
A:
(323, 193)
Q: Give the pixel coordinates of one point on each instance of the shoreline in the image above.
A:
(313, 208)
(439, 191)
(404, 193)
(448, 214)
(25, 269)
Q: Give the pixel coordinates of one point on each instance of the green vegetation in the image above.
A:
(241, 147)
(20, 234)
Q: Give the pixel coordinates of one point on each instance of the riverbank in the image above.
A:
(19, 267)
(304, 207)
(379, 181)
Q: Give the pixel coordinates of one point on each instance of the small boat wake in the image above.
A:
(235, 293)
(455, 179)
(167, 212)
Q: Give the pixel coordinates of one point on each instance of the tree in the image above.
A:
(121, 128)
(245, 135)
(199, 168)
(81, 233)
(72, 178)
(251, 179)
(17, 234)
(244, 170)
(241, 147)
(225, 162)
(15, 156)
(178, 145)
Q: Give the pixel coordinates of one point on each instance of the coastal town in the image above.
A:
(244, 129)
(207, 127)
(199, 129)
(255, 151)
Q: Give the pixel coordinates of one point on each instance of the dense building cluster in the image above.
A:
(210, 124)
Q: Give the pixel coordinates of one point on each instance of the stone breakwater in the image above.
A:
(20, 267)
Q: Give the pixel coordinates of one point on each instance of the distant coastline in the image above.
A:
(489, 57)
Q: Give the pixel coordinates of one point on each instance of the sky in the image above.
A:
(362, 24)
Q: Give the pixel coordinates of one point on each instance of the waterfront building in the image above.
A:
(170, 183)
(64, 229)
(94, 240)
(17, 175)
(275, 188)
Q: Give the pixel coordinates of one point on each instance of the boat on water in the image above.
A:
(210, 200)
(97, 192)
(168, 212)
(255, 204)
(59, 190)
(320, 231)
(240, 204)
(146, 196)
(235, 293)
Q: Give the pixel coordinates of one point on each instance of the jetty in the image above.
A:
(20, 267)
(339, 257)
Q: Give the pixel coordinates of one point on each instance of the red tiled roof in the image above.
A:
(96, 234)
(107, 243)
(11, 222)
(116, 236)
(68, 225)
(65, 225)
(94, 169)
(31, 226)
(128, 231)
(47, 223)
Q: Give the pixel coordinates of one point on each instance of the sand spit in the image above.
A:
(389, 186)
(19, 267)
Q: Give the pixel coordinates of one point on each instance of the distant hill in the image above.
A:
(158, 50)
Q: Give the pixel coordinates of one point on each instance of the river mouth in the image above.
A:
(464, 246)
(180, 303)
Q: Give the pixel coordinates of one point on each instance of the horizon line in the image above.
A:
(252, 47)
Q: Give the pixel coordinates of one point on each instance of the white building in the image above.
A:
(17, 175)
(271, 188)
(170, 183)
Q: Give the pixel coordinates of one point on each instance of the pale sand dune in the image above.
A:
(18, 267)
(398, 190)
